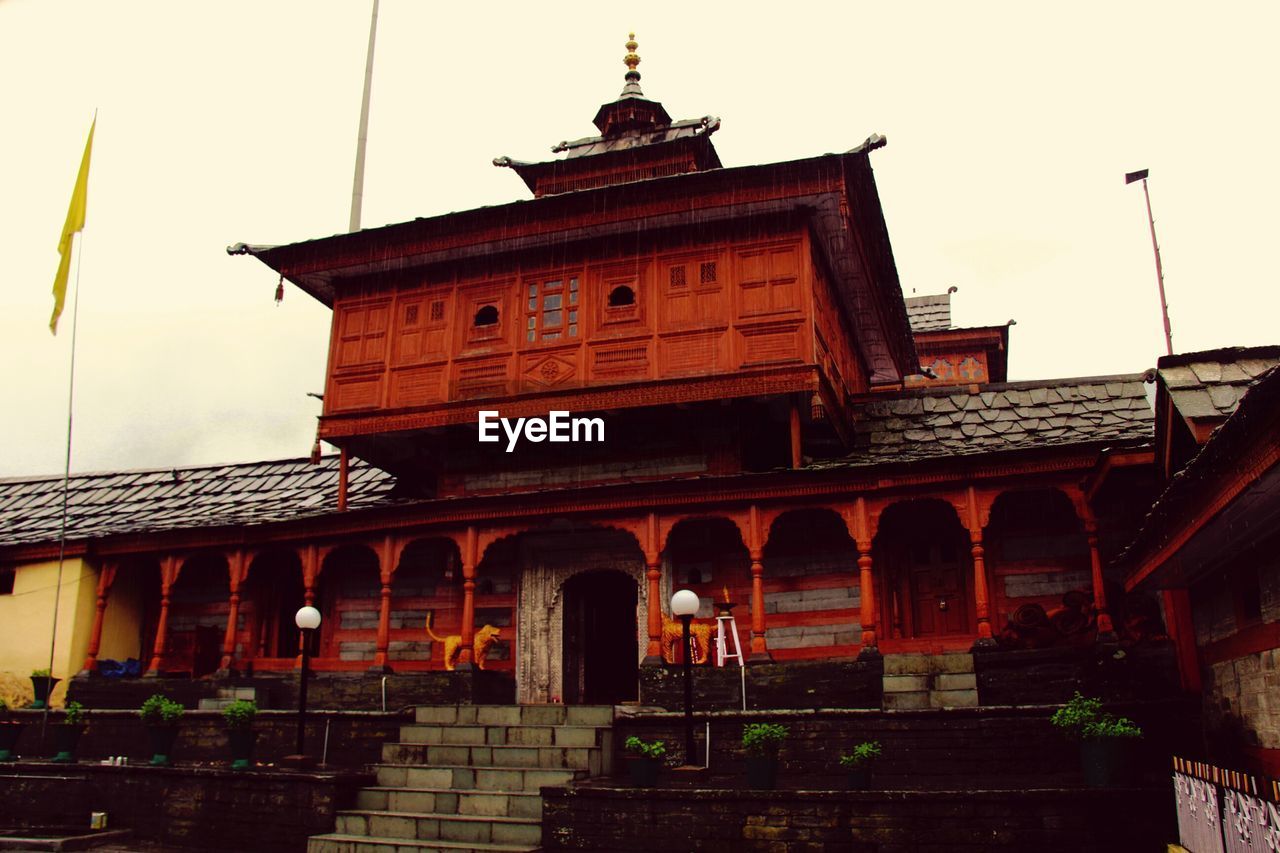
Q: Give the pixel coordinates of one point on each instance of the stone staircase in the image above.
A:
(227, 695)
(929, 681)
(467, 778)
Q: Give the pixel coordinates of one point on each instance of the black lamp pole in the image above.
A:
(302, 690)
(688, 693)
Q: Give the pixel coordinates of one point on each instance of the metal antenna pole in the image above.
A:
(357, 185)
(1164, 306)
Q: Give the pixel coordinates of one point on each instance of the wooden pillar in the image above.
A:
(310, 573)
(168, 575)
(468, 630)
(866, 582)
(344, 469)
(981, 598)
(755, 547)
(1106, 630)
(797, 456)
(387, 568)
(235, 578)
(1182, 631)
(106, 578)
(653, 574)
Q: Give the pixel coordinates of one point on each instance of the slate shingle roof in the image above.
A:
(149, 501)
(1210, 384)
(940, 422)
(928, 313)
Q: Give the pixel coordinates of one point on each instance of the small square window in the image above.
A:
(533, 303)
(437, 312)
(533, 290)
(411, 315)
(551, 301)
(573, 284)
(677, 276)
(707, 272)
(551, 319)
(573, 331)
(533, 323)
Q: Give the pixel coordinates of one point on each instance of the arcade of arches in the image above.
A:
(579, 604)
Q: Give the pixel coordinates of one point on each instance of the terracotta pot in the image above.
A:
(762, 772)
(644, 771)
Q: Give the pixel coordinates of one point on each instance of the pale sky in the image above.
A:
(1010, 129)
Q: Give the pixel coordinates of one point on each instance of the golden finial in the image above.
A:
(632, 59)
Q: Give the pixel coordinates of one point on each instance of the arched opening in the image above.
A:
(349, 597)
(708, 556)
(621, 295)
(811, 598)
(426, 599)
(198, 607)
(273, 593)
(601, 658)
(1039, 559)
(133, 611)
(924, 552)
(486, 316)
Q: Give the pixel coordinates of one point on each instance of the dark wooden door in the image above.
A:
(601, 662)
(938, 591)
(208, 650)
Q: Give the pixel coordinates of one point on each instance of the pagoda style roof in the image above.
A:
(1210, 384)
(139, 502)
(948, 422)
(929, 313)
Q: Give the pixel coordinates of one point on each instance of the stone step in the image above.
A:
(955, 681)
(921, 664)
(337, 843)
(471, 735)
(914, 700)
(563, 757)
(483, 829)
(905, 683)
(515, 715)
(953, 698)
(446, 801)
(473, 778)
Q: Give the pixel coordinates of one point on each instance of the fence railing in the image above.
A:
(1225, 811)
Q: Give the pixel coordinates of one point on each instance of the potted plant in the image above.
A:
(161, 716)
(240, 734)
(9, 732)
(1105, 740)
(761, 742)
(42, 682)
(644, 760)
(67, 735)
(858, 763)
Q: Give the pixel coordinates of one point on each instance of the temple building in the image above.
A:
(771, 423)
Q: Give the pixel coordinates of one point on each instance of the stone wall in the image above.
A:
(194, 808)
(355, 739)
(1046, 821)
(1242, 704)
(795, 684)
(1052, 676)
(922, 749)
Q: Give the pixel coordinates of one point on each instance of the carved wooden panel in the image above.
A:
(417, 386)
(481, 377)
(690, 353)
(350, 393)
(544, 370)
(771, 343)
(420, 329)
(768, 280)
(618, 361)
(692, 291)
(361, 330)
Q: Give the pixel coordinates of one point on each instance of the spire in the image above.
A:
(631, 60)
(632, 111)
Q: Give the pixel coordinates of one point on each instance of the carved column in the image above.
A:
(169, 568)
(866, 581)
(1106, 630)
(387, 568)
(344, 467)
(653, 577)
(235, 579)
(468, 630)
(981, 597)
(106, 578)
(310, 573)
(755, 547)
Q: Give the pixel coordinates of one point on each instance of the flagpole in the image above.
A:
(66, 469)
(1164, 306)
(362, 137)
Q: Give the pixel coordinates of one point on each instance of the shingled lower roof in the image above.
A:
(134, 502)
(929, 313)
(943, 422)
(1210, 384)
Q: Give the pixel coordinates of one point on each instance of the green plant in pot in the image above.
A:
(240, 734)
(644, 760)
(10, 730)
(66, 736)
(161, 714)
(857, 763)
(42, 682)
(761, 742)
(1106, 741)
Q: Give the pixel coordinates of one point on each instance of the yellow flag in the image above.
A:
(74, 223)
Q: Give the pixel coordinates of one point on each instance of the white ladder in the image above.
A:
(725, 624)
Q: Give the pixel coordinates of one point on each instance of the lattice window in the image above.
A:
(707, 272)
(677, 276)
(411, 315)
(551, 310)
(437, 312)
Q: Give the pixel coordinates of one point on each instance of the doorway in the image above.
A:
(938, 595)
(601, 655)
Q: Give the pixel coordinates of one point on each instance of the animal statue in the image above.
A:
(483, 641)
(699, 640)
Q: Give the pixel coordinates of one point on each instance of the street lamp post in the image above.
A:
(683, 605)
(307, 619)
